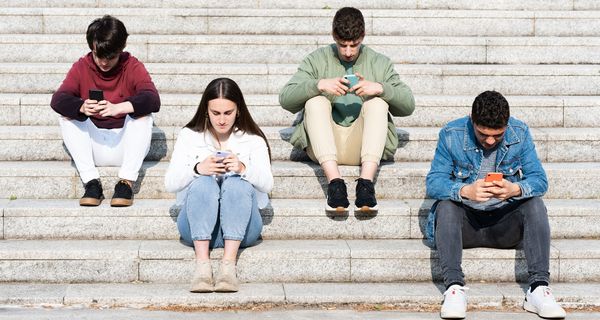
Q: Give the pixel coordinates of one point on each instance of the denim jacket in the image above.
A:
(458, 158)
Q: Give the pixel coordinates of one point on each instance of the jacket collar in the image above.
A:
(470, 141)
(358, 61)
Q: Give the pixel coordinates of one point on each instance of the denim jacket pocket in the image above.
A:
(462, 170)
(511, 169)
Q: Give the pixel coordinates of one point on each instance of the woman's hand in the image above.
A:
(233, 164)
(211, 165)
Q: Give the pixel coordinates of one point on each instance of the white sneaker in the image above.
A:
(541, 301)
(455, 303)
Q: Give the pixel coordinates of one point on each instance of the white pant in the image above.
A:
(124, 147)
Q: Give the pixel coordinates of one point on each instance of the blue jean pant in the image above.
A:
(524, 223)
(218, 213)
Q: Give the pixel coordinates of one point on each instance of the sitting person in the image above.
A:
(474, 210)
(114, 128)
(347, 92)
(222, 172)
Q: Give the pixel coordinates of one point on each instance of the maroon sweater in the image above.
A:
(127, 81)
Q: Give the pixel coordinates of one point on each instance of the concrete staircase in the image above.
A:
(542, 54)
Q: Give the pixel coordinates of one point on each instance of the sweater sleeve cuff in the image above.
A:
(144, 103)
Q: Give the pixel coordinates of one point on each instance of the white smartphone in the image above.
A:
(222, 154)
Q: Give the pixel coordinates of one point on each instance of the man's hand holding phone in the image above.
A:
(334, 86)
(90, 106)
(493, 186)
(367, 88)
(501, 188)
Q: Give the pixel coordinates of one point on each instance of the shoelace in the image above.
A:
(463, 290)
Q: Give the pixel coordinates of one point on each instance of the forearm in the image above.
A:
(68, 105)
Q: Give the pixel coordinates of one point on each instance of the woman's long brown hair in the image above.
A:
(225, 88)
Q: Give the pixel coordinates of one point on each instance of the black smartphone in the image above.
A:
(96, 94)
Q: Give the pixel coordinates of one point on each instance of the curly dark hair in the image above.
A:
(490, 109)
(348, 24)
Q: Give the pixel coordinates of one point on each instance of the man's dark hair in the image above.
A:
(348, 24)
(108, 34)
(490, 109)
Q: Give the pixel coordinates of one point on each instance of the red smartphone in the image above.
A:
(493, 176)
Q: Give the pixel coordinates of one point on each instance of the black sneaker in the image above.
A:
(123, 196)
(337, 196)
(93, 194)
(365, 196)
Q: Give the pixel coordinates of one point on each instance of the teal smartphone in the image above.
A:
(352, 78)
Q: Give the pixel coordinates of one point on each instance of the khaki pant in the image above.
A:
(362, 141)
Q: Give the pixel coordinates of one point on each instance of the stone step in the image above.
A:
(67, 48)
(292, 180)
(397, 22)
(431, 110)
(566, 5)
(284, 219)
(341, 312)
(270, 78)
(134, 300)
(35, 143)
(168, 261)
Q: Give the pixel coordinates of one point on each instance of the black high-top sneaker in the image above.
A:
(365, 196)
(337, 197)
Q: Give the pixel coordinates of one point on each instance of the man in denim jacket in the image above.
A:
(470, 212)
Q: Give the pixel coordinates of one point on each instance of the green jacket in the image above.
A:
(324, 63)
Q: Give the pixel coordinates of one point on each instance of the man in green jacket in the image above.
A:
(347, 92)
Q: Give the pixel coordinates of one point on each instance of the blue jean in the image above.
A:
(218, 213)
(526, 223)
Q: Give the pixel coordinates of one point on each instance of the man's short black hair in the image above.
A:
(348, 24)
(109, 35)
(490, 109)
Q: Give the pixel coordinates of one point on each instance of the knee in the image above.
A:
(203, 185)
(317, 105)
(375, 105)
(140, 122)
(236, 186)
(447, 213)
(534, 208)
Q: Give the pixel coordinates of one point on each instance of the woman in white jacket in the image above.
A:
(221, 170)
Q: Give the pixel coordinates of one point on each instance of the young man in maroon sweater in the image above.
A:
(114, 129)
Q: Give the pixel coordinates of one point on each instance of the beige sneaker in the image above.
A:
(202, 281)
(227, 279)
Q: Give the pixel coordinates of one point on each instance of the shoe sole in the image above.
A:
(89, 202)
(367, 209)
(226, 289)
(120, 202)
(202, 289)
(337, 210)
(452, 316)
(531, 308)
